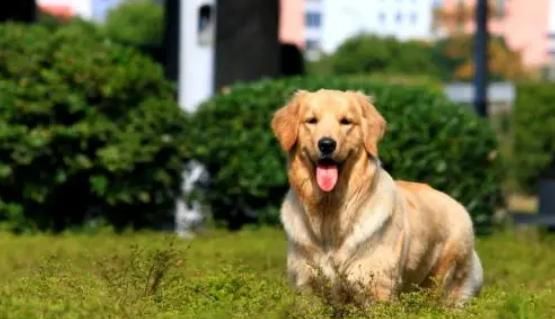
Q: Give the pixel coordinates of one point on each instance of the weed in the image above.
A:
(241, 275)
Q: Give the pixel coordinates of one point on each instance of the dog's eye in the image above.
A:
(311, 120)
(345, 121)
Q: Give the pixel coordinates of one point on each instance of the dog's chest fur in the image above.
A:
(331, 240)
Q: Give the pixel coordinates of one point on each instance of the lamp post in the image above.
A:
(22, 10)
(481, 58)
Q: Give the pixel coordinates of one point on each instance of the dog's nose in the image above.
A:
(326, 145)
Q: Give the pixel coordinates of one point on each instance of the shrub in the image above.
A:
(370, 54)
(448, 59)
(534, 133)
(455, 58)
(87, 129)
(137, 23)
(428, 139)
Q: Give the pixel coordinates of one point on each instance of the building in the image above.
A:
(291, 22)
(65, 8)
(550, 74)
(527, 26)
(329, 23)
(313, 28)
(86, 9)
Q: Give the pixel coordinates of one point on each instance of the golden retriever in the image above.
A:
(347, 219)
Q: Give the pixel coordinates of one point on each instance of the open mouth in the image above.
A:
(327, 173)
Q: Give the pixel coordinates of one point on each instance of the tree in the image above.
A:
(138, 23)
(372, 54)
(447, 59)
(455, 55)
(454, 21)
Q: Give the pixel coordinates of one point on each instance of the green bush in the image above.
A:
(534, 133)
(448, 59)
(87, 129)
(428, 139)
(365, 54)
(138, 23)
(454, 56)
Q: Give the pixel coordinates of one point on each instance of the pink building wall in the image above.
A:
(291, 20)
(525, 27)
(62, 11)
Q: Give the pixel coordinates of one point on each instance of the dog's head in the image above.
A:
(329, 128)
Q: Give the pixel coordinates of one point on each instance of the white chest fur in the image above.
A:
(308, 247)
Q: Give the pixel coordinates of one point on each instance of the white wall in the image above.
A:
(82, 8)
(342, 19)
(196, 62)
(551, 18)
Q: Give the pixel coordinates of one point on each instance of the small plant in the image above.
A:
(139, 274)
(238, 275)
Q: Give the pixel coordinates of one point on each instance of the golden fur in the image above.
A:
(385, 236)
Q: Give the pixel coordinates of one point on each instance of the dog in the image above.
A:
(347, 220)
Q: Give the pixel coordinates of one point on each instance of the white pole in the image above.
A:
(196, 53)
(195, 85)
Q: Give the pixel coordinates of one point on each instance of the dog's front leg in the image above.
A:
(384, 289)
(375, 285)
(299, 270)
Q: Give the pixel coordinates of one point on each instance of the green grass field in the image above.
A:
(235, 275)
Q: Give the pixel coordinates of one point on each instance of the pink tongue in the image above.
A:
(326, 176)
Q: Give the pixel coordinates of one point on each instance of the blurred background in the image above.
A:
(138, 113)
(126, 122)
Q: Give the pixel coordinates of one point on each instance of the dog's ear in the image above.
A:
(373, 124)
(286, 122)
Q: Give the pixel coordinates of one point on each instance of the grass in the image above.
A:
(235, 275)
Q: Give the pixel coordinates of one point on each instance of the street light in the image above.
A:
(481, 58)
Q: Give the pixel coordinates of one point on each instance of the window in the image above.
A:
(399, 17)
(500, 7)
(313, 19)
(205, 26)
(312, 45)
(413, 18)
(382, 18)
(204, 17)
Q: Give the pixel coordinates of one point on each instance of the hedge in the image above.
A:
(428, 139)
(366, 53)
(534, 133)
(139, 23)
(88, 130)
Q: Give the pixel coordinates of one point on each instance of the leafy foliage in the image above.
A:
(457, 19)
(137, 23)
(372, 54)
(239, 275)
(87, 129)
(456, 60)
(448, 59)
(428, 139)
(534, 133)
